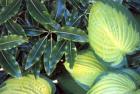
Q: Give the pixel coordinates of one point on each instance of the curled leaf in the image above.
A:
(112, 31)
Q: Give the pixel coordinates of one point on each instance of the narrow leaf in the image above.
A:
(11, 41)
(36, 52)
(52, 58)
(9, 63)
(15, 28)
(39, 12)
(73, 34)
(71, 53)
(47, 54)
(9, 11)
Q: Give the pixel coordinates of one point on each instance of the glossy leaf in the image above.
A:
(112, 37)
(39, 12)
(15, 28)
(9, 63)
(9, 11)
(11, 41)
(33, 31)
(71, 53)
(73, 34)
(47, 55)
(86, 68)
(36, 52)
(114, 83)
(52, 58)
(27, 85)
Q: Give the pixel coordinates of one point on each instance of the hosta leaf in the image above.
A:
(135, 75)
(52, 58)
(36, 52)
(9, 63)
(39, 12)
(71, 53)
(11, 41)
(112, 37)
(27, 85)
(114, 83)
(9, 11)
(73, 34)
(15, 28)
(86, 68)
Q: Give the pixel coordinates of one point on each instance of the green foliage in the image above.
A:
(38, 36)
(112, 37)
(27, 85)
(114, 83)
(86, 68)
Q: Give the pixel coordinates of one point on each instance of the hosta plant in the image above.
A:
(113, 31)
(114, 83)
(27, 85)
(86, 68)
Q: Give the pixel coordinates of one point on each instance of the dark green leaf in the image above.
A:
(9, 11)
(71, 53)
(36, 52)
(15, 28)
(33, 31)
(47, 54)
(73, 34)
(36, 68)
(39, 12)
(9, 63)
(11, 41)
(68, 84)
(5, 2)
(53, 57)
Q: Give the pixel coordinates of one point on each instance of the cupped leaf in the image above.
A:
(11, 41)
(114, 83)
(53, 55)
(86, 68)
(27, 85)
(36, 52)
(134, 74)
(15, 28)
(9, 11)
(73, 34)
(9, 63)
(39, 12)
(112, 31)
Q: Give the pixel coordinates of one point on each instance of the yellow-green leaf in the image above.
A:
(112, 31)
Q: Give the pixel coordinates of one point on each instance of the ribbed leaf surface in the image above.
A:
(26, 85)
(11, 41)
(112, 31)
(86, 68)
(113, 83)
